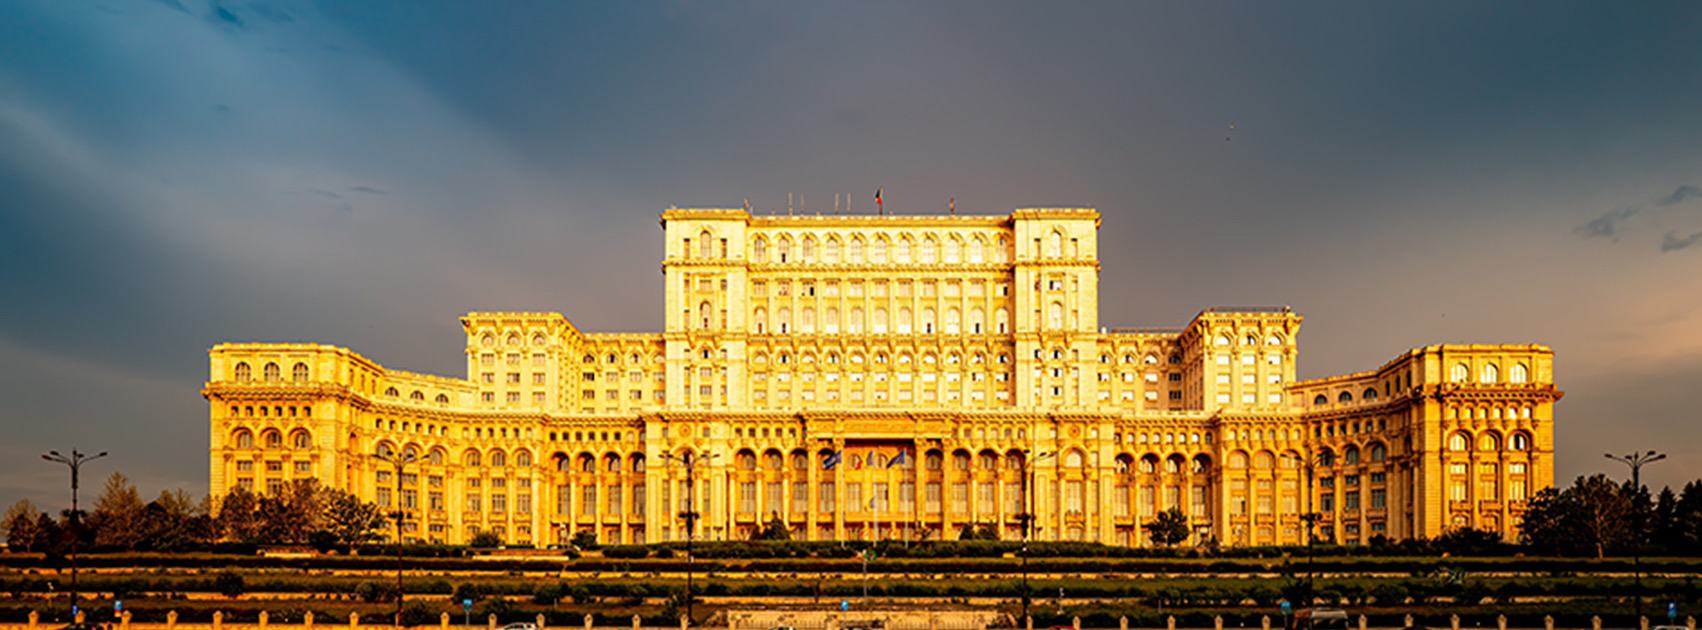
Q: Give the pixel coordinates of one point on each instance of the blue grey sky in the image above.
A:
(179, 173)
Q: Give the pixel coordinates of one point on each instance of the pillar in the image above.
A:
(171, 620)
(1409, 623)
(1169, 622)
(1595, 622)
(79, 613)
(307, 619)
(354, 620)
(1548, 622)
(1501, 622)
(636, 620)
(491, 621)
(1643, 622)
(1363, 622)
(1265, 622)
(35, 618)
(263, 619)
(443, 621)
(1454, 622)
(588, 620)
(683, 620)
(218, 619)
(1075, 622)
(124, 620)
(1216, 622)
(1123, 623)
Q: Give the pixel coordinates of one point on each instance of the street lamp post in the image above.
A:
(689, 514)
(75, 460)
(1310, 517)
(1026, 518)
(399, 460)
(1636, 461)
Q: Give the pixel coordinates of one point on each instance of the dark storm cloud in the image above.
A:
(1673, 242)
(196, 171)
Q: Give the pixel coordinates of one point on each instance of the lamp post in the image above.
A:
(399, 460)
(1026, 518)
(1309, 517)
(1636, 461)
(75, 460)
(689, 514)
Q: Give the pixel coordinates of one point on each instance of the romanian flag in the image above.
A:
(897, 460)
(878, 199)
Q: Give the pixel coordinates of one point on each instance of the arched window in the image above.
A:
(1458, 442)
(761, 320)
(904, 318)
(809, 249)
(930, 248)
(1379, 452)
(637, 464)
(855, 324)
(243, 372)
(772, 461)
(1238, 459)
(523, 459)
(1491, 373)
(960, 460)
(901, 253)
(1263, 460)
(783, 250)
(273, 373)
(301, 440)
(704, 247)
(472, 459)
(442, 399)
(1321, 399)
(855, 251)
(953, 253)
(391, 392)
(1055, 245)
(830, 252)
(1221, 340)
(1519, 374)
(747, 460)
(1073, 459)
(877, 253)
(274, 439)
(299, 372)
(1488, 442)
(1460, 373)
(1055, 316)
(1344, 397)
(612, 463)
(1001, 321)
(933, 461)
(954, 319)
(244, 439)
(417, 396)
(1350, 455)
(498, 459)
(1370, 393)
(1521, 442)
(759, 250)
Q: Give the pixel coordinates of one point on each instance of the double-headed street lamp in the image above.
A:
(399, 460)
(1636, 461)
(1026, 517)
(75, 460)
(689, 514)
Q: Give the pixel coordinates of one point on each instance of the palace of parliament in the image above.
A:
(862, 377)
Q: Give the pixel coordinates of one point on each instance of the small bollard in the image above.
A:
(354, 620)
(491, 620)
(1216, 622)
(1548, 622)
(1363, 622)
(636, 621)
(1454, 622)
(218, 619)
(684, 622)
(1030, 622)
(263, 619)
(1596, 622)
(1076, 623)
(1643, 622)
(124, 620)
(1123, 623)
(79, 616)
(1170, 622)
(443, 621)
(1409, 623)
(35, 618)
(1690, 622)
(587, 621)
(307, 619)
(1501, 622)
(171, 620)
(1265, 622)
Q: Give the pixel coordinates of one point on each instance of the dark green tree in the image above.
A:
(117, 519)
(776, 529)
(585, 539)
(485, 539)
(349, 521)
(1168, 527)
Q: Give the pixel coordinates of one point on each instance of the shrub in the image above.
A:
(373, 592)
(230, 584)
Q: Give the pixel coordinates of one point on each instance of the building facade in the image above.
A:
(894, 376)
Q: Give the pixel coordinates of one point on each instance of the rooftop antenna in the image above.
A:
(836, 203)
(954, 206)
(788, 204)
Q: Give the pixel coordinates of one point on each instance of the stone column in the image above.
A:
(171, 620)
(1501, 622)
(35, 618)
(1454, 622)
(443, 621)
(637, 621)
(1596, 622)
(1216, 622)
(218, 619)
(354, 620)
(307, 619)
(263, 619)
(588, 621)
(1265, 622)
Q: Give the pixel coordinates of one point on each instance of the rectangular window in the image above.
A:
(773, 500)
(854, 498)
(499, 503)
(588, 500)
(1379, 498)
(800, 497)
(1457, 490)
(615, 500)
(383, 498)
(984, 498)
(638, 497)
(434, 501)
(1350, 500)
(473, 503)
(1013, 498)
(960, 498)
(1516, 490)
(825, 494)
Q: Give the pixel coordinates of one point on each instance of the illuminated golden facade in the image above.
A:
(971, 344)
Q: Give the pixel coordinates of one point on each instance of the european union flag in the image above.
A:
(832, 459)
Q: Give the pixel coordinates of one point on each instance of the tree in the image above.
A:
(1468, 541)
(584, 539)
(237, 518)
(776, 529)
(1168, 528)
(22, 526)
(167, 521)
(490, 539)
(349, 520)
(1664, 528)
(289, 515)
(1591, 517)
(117, 519)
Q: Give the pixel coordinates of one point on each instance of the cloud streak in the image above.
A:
(1611, 224)
(1672, 242)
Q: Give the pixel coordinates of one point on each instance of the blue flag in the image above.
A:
(832, 459)
(897, 460)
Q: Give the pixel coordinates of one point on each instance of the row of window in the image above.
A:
(880, 249)
(876, 324)
(299, 439)
(271, 372)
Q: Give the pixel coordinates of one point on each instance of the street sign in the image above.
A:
(1672, 610)
(467, 605)
(117, 606)
(845, 604)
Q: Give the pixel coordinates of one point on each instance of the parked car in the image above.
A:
(521, 626)
(1319, 619)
